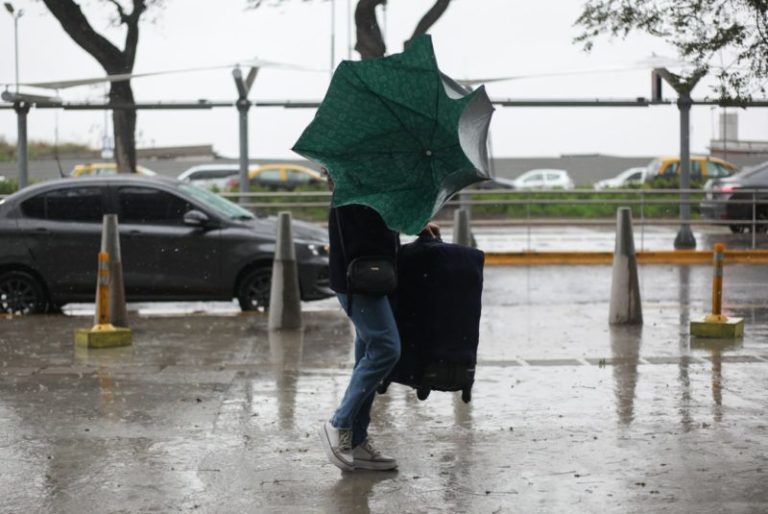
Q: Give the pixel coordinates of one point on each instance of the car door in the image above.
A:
(163, 257)
(534, 181)
(62, 228)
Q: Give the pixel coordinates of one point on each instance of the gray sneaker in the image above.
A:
(338, 446)
(368, 457)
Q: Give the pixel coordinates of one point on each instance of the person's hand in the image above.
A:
(432, 230)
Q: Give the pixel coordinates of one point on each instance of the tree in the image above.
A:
(114, 61)
(370, 42)
(700, 30)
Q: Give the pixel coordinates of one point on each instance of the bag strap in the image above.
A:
(344, 253)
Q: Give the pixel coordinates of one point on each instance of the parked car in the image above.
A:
(281, 176)
(104, 168)
(211, 176)
(724, 196)
(628, 177)
(178, 242)
(544, 179)
(702, 168)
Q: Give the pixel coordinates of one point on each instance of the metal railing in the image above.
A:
(530, 204)
(525, 208)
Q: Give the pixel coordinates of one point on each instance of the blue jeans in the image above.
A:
(377, 350)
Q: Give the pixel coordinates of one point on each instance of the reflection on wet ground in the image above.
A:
(213, 413)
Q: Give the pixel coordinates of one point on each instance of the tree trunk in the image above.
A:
(124, 125)
(429, 19)
(114, 61)
(370, 43)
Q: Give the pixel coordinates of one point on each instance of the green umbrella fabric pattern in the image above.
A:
(399, 136)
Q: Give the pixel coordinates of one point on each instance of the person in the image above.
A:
(355, 231)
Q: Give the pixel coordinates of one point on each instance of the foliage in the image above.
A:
(8, 186)
(40, 150)
(592, 206)
(700, 30)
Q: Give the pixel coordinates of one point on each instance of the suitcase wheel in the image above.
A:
(466, 395)
(382, 387)
(422, 393)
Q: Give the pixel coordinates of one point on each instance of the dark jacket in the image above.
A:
(365, 234)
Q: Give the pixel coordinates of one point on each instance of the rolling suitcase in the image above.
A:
(437, 308)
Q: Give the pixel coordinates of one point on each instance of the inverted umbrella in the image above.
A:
(399, 136)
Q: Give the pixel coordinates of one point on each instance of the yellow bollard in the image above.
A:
(103, 334)
(716, 324)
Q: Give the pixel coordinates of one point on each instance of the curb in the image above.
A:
(696, 257)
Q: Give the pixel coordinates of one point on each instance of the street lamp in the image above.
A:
(16, 15)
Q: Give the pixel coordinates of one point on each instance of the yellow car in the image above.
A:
(281, 176)
(104, 168)
(702, 168)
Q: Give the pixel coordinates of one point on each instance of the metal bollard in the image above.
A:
(102, 292)
(716, 324)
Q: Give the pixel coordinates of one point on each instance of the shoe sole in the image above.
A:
(373, 465)
(335, 460)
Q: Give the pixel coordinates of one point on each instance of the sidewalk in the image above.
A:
(212, 413)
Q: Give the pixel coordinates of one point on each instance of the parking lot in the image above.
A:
(210, 412)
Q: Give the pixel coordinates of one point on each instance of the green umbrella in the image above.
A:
(399, 136)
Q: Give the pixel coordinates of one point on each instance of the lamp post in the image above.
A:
(16, 15)
(683, 87)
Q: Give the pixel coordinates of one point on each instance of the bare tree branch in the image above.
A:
(429, 19)
(75, 24)
(370, 42)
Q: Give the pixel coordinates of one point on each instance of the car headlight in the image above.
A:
(318, 249)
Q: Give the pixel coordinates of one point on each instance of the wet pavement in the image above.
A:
(209, 412)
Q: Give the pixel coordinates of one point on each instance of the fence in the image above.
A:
(580, 207)
(560, 208)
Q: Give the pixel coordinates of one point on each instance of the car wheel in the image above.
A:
(253, 291)
(21, 293)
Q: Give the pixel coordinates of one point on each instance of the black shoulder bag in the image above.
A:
(374, 275)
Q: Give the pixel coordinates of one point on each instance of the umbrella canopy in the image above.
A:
(399, 136)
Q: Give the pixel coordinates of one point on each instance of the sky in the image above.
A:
(474, 39)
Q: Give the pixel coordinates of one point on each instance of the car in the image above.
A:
(104, 168)
(211, 176)
(627, 178)
(702, 168)
(544, 179)
(726, 199)
(281, 176)
(178, 242)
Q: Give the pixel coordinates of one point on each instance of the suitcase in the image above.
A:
(437, 308)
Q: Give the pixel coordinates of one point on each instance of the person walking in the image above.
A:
(358, 231)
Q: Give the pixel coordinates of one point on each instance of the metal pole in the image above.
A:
(243, 105)
(16, 46)
(685, 238)
(349, 30)
(22, 108)
(754, 218)
(333, 35)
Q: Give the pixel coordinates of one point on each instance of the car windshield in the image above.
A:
(217, 203)
(653, 167)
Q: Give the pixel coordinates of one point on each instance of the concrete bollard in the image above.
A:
(284, 296)
(110, 243)
(625, 308)
(461, 232)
